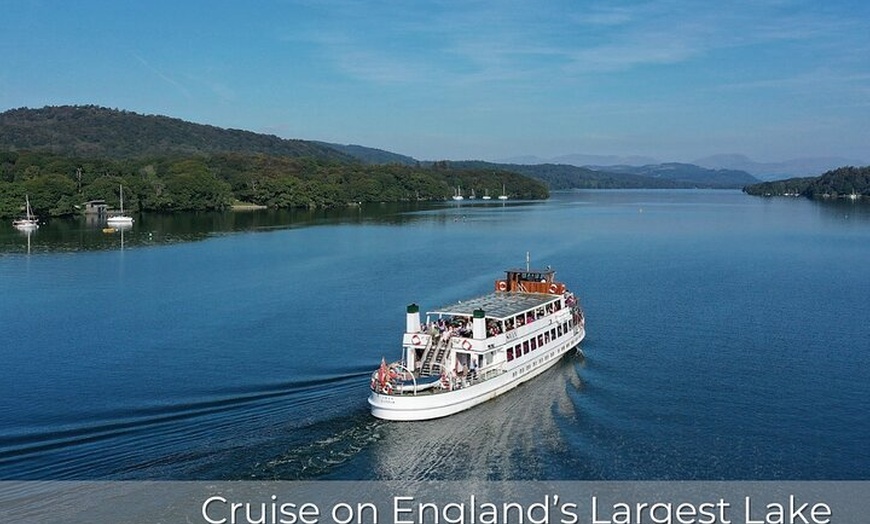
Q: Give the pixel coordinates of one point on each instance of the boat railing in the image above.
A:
(409, 373)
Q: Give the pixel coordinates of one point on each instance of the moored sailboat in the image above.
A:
(121, 219)
(29, 222)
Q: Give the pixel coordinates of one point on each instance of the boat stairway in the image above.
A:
(433, 360)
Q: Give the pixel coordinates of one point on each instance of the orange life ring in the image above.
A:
(466, 345)
(387, 389)
(502, 285)
(553, 288)
(415, 340)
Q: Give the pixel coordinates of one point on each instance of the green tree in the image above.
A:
(197, 191)
(53, 195)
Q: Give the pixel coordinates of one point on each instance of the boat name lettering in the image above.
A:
(511, 336)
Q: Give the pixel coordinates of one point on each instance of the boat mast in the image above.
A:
(528, 262)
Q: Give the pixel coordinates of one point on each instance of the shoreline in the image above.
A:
(247, 207)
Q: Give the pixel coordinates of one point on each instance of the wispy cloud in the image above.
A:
(160, 74)
(480, 42)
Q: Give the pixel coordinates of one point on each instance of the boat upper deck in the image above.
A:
(500, 306)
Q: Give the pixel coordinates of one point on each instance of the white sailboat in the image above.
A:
(120, 220)
(503, 195)
(29, 222)
(486, 195)
(458, 194)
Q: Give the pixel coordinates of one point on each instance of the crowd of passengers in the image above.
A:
(462, 326)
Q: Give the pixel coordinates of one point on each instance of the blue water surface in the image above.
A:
(728, 338)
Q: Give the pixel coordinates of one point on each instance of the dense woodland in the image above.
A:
(61, 157)
(841, 182)
(58, 185)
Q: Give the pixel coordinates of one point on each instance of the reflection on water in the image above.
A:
(90, 232)
(513, 436)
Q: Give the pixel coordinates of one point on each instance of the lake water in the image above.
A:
(728, 338)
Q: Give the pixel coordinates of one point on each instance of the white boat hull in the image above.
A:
(442, 404)
(25, 225)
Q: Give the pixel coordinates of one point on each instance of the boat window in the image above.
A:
(559, 330)
(526, 346)
(510, 354)
(534, 344)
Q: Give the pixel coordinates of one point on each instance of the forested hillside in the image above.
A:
(62, 157)
(842, 182)
(92, 131)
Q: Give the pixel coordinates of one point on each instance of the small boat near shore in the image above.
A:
(29, 222)
(474, 350)
(120, 220)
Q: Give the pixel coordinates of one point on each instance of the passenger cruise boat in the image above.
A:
(474, 350)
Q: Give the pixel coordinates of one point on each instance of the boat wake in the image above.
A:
(174, 440)
(507, 438)
(333, 449)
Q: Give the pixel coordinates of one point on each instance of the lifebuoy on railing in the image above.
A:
(502, 285)
(466, 345)
(415, 340)
(387, 389)
(554, 288)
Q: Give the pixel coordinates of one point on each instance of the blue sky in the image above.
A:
(675, 80)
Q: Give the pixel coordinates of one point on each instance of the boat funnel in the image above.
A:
(412, 320)
(478, 325)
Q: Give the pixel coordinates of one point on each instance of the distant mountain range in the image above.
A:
(810, 166)
(799, 167)
(583, 160)
(654, 176)
(93, 131)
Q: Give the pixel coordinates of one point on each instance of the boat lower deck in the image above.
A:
(468, 391)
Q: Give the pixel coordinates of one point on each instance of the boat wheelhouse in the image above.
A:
(474, 350)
